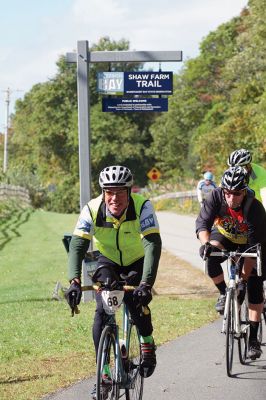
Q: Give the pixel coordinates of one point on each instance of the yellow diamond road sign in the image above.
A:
(154, 174)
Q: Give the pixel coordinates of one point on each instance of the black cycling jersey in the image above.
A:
(254, 219)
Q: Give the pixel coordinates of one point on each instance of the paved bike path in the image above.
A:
(179, 237)
(192, 367)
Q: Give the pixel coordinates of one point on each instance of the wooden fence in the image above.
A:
(14, 192)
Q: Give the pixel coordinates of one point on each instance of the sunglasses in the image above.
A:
(118, 193)
(231, 193)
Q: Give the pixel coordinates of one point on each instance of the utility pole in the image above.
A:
(6, 130)
(7, 101)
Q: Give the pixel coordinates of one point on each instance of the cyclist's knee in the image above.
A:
(255, 290)
(214, 267)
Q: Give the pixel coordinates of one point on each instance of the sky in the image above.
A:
(34, 33)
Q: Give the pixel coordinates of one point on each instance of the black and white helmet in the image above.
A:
(239, 157)
(116, 175)
(235, 178)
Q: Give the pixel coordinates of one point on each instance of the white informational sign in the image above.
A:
(89, 266)
(110, 83)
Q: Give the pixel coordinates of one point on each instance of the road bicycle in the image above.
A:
(119, 351)
(263, 316)
(235, 319)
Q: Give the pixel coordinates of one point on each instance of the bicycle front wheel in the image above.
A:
(244, 336)
(135, 390)
(230, 333)
(106, 385)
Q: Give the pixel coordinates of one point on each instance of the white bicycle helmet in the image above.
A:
(234, 178)
(239, 157)
(116, 175)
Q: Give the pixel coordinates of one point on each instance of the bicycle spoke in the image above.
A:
(230, 335)
(133, 366)
(106, 386)
(244, 337)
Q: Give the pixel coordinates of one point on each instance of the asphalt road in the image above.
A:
(192, 367)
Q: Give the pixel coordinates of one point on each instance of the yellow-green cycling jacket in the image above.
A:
(123, 240)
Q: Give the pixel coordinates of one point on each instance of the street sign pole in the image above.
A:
(84, 122)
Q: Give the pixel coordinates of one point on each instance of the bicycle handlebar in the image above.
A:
(228, 254)
(126, 288)
(98, 286)
(225, 253)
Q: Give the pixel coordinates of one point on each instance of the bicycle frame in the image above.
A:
(121, 375)
(233, 270)
(124, 370)
(232, 325)
(233, 273)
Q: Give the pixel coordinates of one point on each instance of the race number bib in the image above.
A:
(112, 300)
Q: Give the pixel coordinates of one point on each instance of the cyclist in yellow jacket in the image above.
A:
(126, 232)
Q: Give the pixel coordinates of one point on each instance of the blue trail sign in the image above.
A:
(117, 104)
(148, 82)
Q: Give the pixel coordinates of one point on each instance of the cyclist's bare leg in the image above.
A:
(218, 279)
(255, 311)
(248, 266)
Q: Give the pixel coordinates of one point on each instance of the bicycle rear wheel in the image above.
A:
(106, 385)
(135, 390)
(264, 315)
(260, 331)
(230, 334)
(244, 337)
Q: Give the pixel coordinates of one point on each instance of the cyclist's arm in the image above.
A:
(152, 251)
(79, 243)
(204, 236)
(150, 233)
(256, 220)
(209, 211)
(77, 250)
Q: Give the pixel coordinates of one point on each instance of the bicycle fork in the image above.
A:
(231, 300)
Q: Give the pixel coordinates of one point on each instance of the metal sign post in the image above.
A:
(83, 58)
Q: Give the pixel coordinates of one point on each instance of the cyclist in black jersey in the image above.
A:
(232, 218)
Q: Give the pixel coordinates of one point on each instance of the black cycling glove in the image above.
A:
(73, 295)
(142, 294)
(206, 249)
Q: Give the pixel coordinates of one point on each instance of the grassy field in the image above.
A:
(42, 348)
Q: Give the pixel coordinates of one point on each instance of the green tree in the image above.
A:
(45, 139)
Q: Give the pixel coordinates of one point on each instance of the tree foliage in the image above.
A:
(45, 139)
